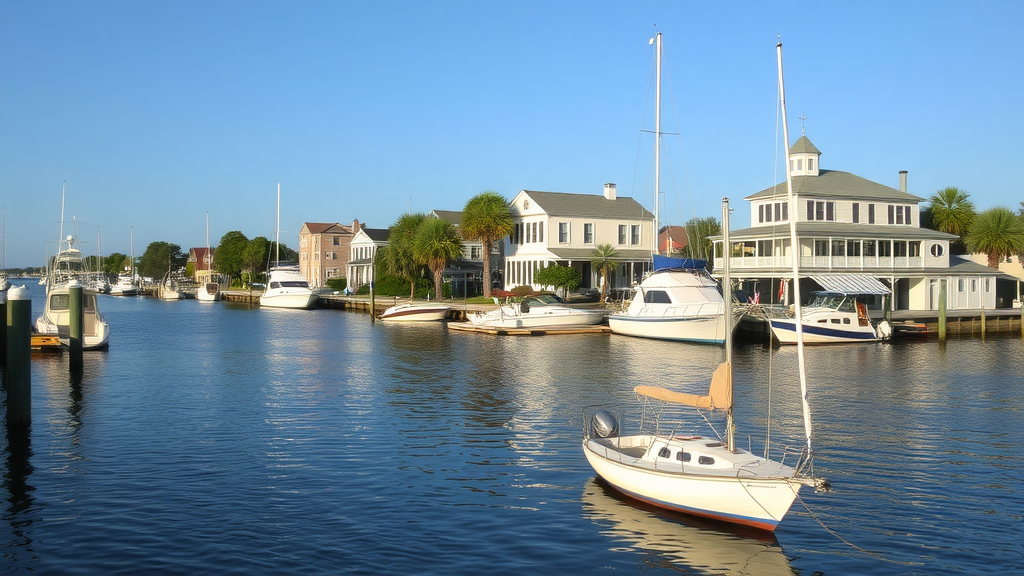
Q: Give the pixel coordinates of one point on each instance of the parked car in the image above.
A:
(583, 295)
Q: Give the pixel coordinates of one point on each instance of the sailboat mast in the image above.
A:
(795, 254)
(277, 227)
(657, 147)
(730, 436)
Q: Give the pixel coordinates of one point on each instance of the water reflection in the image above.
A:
(19, 490)
(673, 540)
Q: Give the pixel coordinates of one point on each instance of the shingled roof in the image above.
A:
(836, 184)
(570, 205)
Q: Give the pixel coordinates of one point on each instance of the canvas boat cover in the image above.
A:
(719, 395)
(852, 284)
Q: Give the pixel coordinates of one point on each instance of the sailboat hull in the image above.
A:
(759, 502)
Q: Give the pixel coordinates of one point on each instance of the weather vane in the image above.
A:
(802, 118)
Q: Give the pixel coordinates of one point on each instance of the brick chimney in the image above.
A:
(355, 226)
(609, 191)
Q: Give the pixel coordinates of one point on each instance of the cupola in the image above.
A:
(804, 158)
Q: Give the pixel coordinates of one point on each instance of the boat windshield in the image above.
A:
(841, 302)
(290, 284)
(543, 300)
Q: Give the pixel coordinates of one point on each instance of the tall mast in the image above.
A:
(795, 254)
(657, 146)
(277, 234)
(730, 426)
(60, 238)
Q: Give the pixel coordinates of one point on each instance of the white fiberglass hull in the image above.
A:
(415, 313)
(756, 501)
(204, 294)
(704, 329)
(822, 333)
(539, 318)
(285, 298)
(56, 317)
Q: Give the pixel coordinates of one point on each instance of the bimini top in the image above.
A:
(852, 284)
(664, 262)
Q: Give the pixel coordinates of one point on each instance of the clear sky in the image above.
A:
(156, 113)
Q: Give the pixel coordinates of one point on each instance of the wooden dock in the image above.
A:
(45, 343)
(470, 327)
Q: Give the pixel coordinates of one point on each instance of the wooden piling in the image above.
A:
(942, 310)
(76, 325)
(3, 333)
(19, 356)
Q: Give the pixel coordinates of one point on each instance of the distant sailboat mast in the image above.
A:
(657, 145)
(795, 254)
(277, 229)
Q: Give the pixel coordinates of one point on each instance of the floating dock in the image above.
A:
(45, 343)
(540, 331)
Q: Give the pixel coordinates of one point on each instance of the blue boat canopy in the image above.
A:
(662, 262)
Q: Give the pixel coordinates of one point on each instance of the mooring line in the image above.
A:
(851, 544)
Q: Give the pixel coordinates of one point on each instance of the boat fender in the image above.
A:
(604, 424)
(885, 330)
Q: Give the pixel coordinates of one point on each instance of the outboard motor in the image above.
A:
(604, 424)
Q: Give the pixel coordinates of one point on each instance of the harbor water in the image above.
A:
(221, 439)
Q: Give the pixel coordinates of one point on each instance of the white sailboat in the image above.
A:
(286, 286)
(708, 477)
(680, 301)
(127, 282)
(209, 288)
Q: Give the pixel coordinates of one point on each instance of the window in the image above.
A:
(821, 210)
(706, 460)
(838, 248)
(768, 213)
(892, 215)
(476, 252)
(914, 249)
(588, 233)
(856, 213)
(563, 232)
(810, 209)
(656, 297)
(799, 164)
(785, 211)
(900, 248)
(821, 247)
(540, 232)
(760, 213)
(885, 249)
(622, 234)
(810, 164)
(634, 234)
(936, 250)
(336, 240)
(853, 247)
(533, 232)
(778, 206)
(871, 213)
(869, 247)
(906, 218)
(683, 456)
(960, 286)
(664, 452)
(899, 215)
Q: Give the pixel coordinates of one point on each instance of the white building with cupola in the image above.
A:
(850, 229)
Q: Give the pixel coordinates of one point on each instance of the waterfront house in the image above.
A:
(1008, 290)
(362, 250)
(849, 225)
(324, 251)
(672, 240)
(558, 228)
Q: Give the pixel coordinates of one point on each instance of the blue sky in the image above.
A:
(155, 113)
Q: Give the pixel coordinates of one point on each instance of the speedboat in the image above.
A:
(411, 312)
(681, 303)
(287, 288)
(543, 311)
(126, 285)
(56, 317)
(830, 318)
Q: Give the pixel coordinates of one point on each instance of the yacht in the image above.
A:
(56, 316)
(287, 288)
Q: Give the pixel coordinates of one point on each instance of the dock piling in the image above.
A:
(3, 332)
(19, 357)
(76, 325)
(942, 310)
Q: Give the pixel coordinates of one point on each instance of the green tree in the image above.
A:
(437, 244)
(603, 260)
(398, 257)
(115, 263)
(699, 232)
(230, 254)
(487, 218)
(996, 232)
(254, 257)
(951, 211)
(560, 277)
(159, 258)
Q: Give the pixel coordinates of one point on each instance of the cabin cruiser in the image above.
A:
(287, 288)
(56, 317)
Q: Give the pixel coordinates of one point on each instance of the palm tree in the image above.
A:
(603, 260)
(398, 257)
(997, 232)
(951, 212)
(487, 218)
(437, 243)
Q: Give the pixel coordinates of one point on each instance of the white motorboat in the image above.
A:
(543, 311)
(661, 460)
(682, 303)
(830, 318)
(287, 288)
(170, 288)
(126, 285)
(416, 312)
(208, 292)
(56, 317)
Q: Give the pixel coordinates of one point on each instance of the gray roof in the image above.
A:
(838, 229)
(377, 234)
(836, 184)
(588, 205)
(587, 254)
(804, 146)
(966, 266)
(449, 216)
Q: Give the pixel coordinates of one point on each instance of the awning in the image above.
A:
(852, 284)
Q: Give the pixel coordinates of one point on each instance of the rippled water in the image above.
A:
(219, 439)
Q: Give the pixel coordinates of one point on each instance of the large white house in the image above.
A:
(564, 229)
(849, 225)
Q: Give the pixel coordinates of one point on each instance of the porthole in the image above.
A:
(683, 456)
(664, 452)
(936, 250)
(706, 460)
(714, 444)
